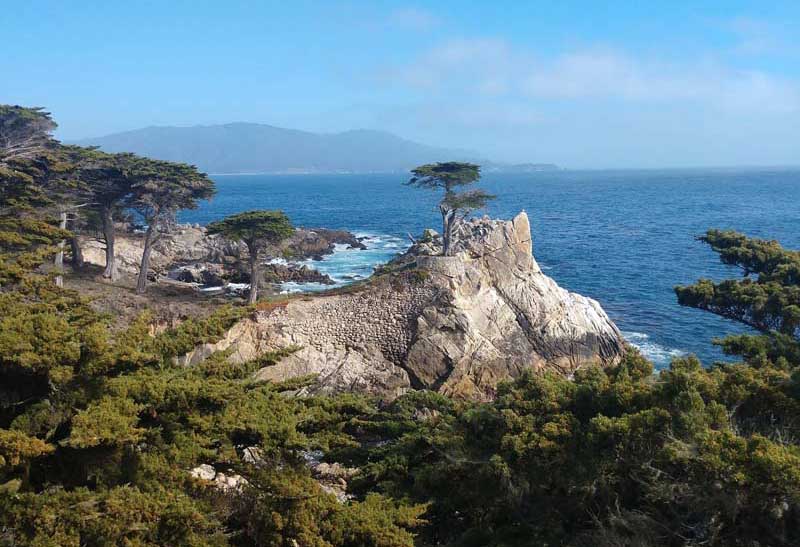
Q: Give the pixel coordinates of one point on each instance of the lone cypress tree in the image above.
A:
(454, 205)
(257, 229)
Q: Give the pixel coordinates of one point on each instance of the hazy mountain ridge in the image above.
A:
(259, 148)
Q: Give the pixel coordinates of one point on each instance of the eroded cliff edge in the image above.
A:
(457, 324)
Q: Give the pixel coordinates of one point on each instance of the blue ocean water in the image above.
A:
(624, 238)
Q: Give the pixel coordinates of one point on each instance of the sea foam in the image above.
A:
(661, 356)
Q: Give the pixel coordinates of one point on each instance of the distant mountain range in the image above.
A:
(259, 148)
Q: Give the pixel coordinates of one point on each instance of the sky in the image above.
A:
(587, 84)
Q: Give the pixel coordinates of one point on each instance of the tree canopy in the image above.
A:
(447, 176)
(33, 173)
(24, 132)
(770, 302)
(254, 227)
(110, 178)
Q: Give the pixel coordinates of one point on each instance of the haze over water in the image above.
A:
(624, 238)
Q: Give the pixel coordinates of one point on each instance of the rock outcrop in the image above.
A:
(230, 482)
(457, 324)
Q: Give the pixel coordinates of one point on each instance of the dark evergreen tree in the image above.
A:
(160, 189)
(258, 230)
(455, 205)
(110, 179)
(31, 172)
(25, 133)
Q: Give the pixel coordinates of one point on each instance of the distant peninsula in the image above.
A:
(251, 148)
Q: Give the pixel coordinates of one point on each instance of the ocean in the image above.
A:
(624, 238)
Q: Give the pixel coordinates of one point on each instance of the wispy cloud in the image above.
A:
(492, 67)
(485, 65)
(606, 74)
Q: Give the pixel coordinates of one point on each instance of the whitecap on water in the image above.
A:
(277, 260)
(346, 265)
(660, 356)
(293, 287)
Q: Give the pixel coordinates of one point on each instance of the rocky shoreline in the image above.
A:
(189, 255)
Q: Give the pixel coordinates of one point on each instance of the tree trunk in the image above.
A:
(59, 261)
(109, 233)
(141, 284)
(255, 273)
(448, 222)
(443, 211)
(77, 252)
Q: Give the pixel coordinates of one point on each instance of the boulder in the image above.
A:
(227, 483)
(316, 242)
(201, 273)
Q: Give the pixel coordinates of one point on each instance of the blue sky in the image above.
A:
(583, 84)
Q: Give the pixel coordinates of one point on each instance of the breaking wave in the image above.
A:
(661, 356)
(347, 265)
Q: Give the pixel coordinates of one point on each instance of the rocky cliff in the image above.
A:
(457, 324)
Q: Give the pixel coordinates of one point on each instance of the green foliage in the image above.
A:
(766, 258)
(16, 447)
(445, 175)
(613, 457)
(24, 132)
(194, 332)
(98, 429)
(161, 187)
(31, 172)
(281, 507)
(765, 306)
(468, 201)
(769, 303)
(255, 228)
(110, 421)
(122, 515)
(218, 365)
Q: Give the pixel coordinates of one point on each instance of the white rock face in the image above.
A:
(458, 324)
(204, 472)
(186, 244)
(499, 315)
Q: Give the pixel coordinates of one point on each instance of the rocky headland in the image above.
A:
(455, 324)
